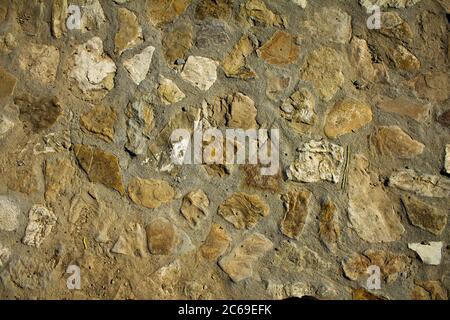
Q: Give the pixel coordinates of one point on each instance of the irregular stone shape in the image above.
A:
(129, 33)
(254, 178)
(132, 242)
(323, 68)
(138, 65)
(392, 25)
(347, 116)
(218, 9)
(243, 210)
(235, 63)
(370, 210)
(40, 224)
(404, 59)
(7, 43)
(9, 214)
(159, 12)
(216, 243)
(59, 16)
(212, 33)
(239, 264)
(424, 216)
(329, 25)
(444, 119)
(426, 185)
(242, 114)
(257, 12)
(361, 58)
(5, 125)
(404, 107)
(363, 294)
(8, 82)
(394, 141)
(329, 228)
(301, 3)
(100, 166)
(296, 204)
(40, 62)
(177, 42)
(429, 252)
(299, 109)
(195, 207)
(58, 176)
(276, 85)
(100, 121)
(169, 92)
(200, 72)
(5, 253)
(164, 238)
(280, 49)
(54, 142)
(150, 193)
(38, 114)
(429, 290)
(317, 160)
(140, 111)
(447, 159)
(137, 142)
(92, 15)
(388, 3)
(91, 70)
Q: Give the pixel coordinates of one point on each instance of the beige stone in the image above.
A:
(201, 72)
(424, 215)
(138, 65)
(9, 214)
(404, 59)
(405, 107)
(280, 49)
(8, 82)
(194, 207)
(329, 228)
(169, 92)
(296, 204)
(177, 42)
(394, 141)
(59, 16)
(129, 33)
(159, 12)
(100, 120)
(40, 225)
(257, 11)
(164, 238)
(40, 62)
(242, 114)
(150, 193)
(392, 25)
(216, 243)
(235, 64)
(38, 114)
(447, 159)
(422, 184)
(58, 177)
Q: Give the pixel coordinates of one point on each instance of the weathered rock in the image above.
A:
(426, 185)
(38, 114)
(177, 42)
(424, 216)
(5, 125)
(150, 193)
(164, 238)
(212, 34)
(92, 15)
(195, 207)
(317, 160)
(243, 210)
(58, 176)
(40, 62)
(40, 224)
(347, 116)
(394, 141)
(138, 65)
(392, 25)
(329, 228)
(235, 64)
(296, 204)
(9, 214)
(240, 263)
(257, 12)
(444, 119)
(301, 3)
(132, 242)
(53, 142)
(323, 68)
(140, 111)
(361, 58)
(5, 253)
(159, 12)
(404, 59)
(7, 43)
(429, 252)
(218, 9)
(215, 244)
(404, 107)
(8, 82)
(280, 49)
(254, 178)
(389, 3)
(129, 33)
(363, 294)
(100, 121)
(242, 112)
(169, 92)
(59, 16)
(370, 210)
(100, 166)
(447, 159)
(276, 85)
(299, 109)
(200, 72)
(429, 290)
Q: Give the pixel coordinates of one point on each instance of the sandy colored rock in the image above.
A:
(159, 12)
(150, 193)
(392, 25)
(422, 184)
(243, 210)
(59, 16)
(329, 228)
(200, 72)
(9, 214)
(389, 3)
(347, 116)
(429, 252)
(424, 215)
(58, 177)
(212, 34)
(362, 59)
(447, 159)
(100, 166)
(40, 62)
(280, 49)
(216, 243)
(40, 225)
(296, 205)
(100, 120)
(169, 92)
(242, 114)
(276, 85)
(132, 242)
(92, 15)
(299, 109)
(194, 207)
(138, 65)
(38, 114)
(404, 59)
(5, 253)
(235, 64)
(139, 125)
(254, 178)
(404, 107)
(177, 42)
(164, 238)
(240, 263)
(129, 33)
(429, 290)
(8, 82)
(218, 9)
(6, 125)
(257, 12)
(394, 141)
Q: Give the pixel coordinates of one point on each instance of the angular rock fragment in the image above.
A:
(317, 160)
(164, 238)
(299, 109)
(240, 263)
(200, 72)
(5, 125)
(361, 58)
(9, 214)
(100, 121)
(160, 12)
(404, 107)
(392, 25)
(140, 124)
(243, 210)
(150, 193)
(424, 216)
(40, 224)
(138, 65)
(218, 9)
(370, 210)
(8, 82)
(92, 15)
(329, 228)
(426, 185)
(276, 85)
(38, 114)
(242, 112)
(404, 59)
(429, 252)
(212, 34)
(132, 242)
(169, 92)
(363, 294)
(296, 204)
(40, 62)
(177, 42)
(235, 64)
(281, 49)
(394, 141)
(5, 253)
(257, 12)
(129, 33)
(215, 244)
(58, 176)
(195, 207)
(100, 166)
(254, 178)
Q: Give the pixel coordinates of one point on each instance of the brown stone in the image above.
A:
(160, 12)
(429, 290)
(392, 25)
(58, 176)
(299, 110)
(256, 11)
(40, 62)
(38, 114)
(276, 85)
(216, 243)
(329, 229)
(8, 83)
(129, 33)
(242, 112)
(280, 49)
(363, 294)
(177, 42)
(161, 237)
(195, 207)
(296, 204)
(444, 119)
(100, 166)
(150, 193)
(424, 216)
(394, 141)
(404, 59)
(254, 178)
(235, 65)
(100, 120)
(218, 9)
(404, 107)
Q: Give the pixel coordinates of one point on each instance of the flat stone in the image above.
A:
(361, 58)
(447, 159)
(257, 12)
(150, 193)
(424, 216)
(329, 228)
(164, 238)
(159, 12)
(40, 62)
(235, 62)
(404, 107)
(218, 9)
(296, 204)
(347, 116)
(392, 25)
(394, 141)
(129, 33)
(5, 253)
(370, 210)
(100, 166)
(216, 243)
(169, 92)
(100, 120)
(444, 119)
(404, 59)
(132, 242)
(429, 252)
(8, 82)
(243, 210)
(177, 42)
(59, 16)
(200, 72)
(426, 185)
(242, 114)
(9, 214)
(138, 65)
(299, 109)
(58, 177)
(317, 160)
(276, 85)
(38, 114)
(241, 262)
(323, 68)
(212, 33)
(194, 207)
(254, 178)
(40, 225)
(280, 49)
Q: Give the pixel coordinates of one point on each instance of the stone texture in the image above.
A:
(216, 243)
(404, 107)
(150, 193)
(140, 124)
(40, 62)
(258, 13)
(159, 12)
(177, 42)
(444, 119)
(5, 253)
(235, 62)
(429, 290)
(38, 115)
(100, 120)
(6, 125)
(404, 59)
(218, 9)
(299, 109)
(164, 238)
(59, 16)
(242, 112)
(429, 252)
(132, 242)
(243, 210)
(195, 207)
(447, 159)
(389, 3)
(9, 214)
(8, 82)
(424, 215)
(200, 72)
(40, 225)
(392, 25)
(169, 92)
(58, 177)
(280, 49)
(129, 33)
(426, 185)
(254, 179)
(394, 141)
(296, 204)
(276, 85)
(212, 33)
(329, 227)
(138, 65)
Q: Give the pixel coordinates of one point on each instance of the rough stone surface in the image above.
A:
(394, 141)
(129, 33)
(164, 238)
(100, 120)
(169, 92)
(40, 225)
(40, 61)
(8, 82)
(139, 65)
(216, 243)
(235, 62)
(195, 206)
(150, 193)
(426, 185)
(424, 216)
(429, 252)
(9, 214)
(200, 72)
(296, 204)
(280, 49)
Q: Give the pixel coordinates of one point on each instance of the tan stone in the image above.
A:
(38, 114)
(8, 82)
(218, 9)
(424, 215)
(429, 290)
(392, 25)
(254, 178)
(447, 159)
(164, 238)
(129, 33)
(394, 141)
(150, 193)
(169, 92)
(159, 12)
(216, 243)
(242, 114)
(132, 242)
(276, 85)
(138, 65)
(59, 16)
(40, 62)
(100, 121)
(235, 65)
(296, 204)
(9, 214)
(363, 294)
(426, 185)
(200, 72)
(40, 224)
(404, 59)
(404, 107)
(195, 207)
(280, 49)
(299, 110)
(177, 42)
(243, 210)
(329, 228)
(257, 11)
(58, 176)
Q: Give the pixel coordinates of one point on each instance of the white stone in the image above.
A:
(9, 213)
(447, 158)
(200, 72)
(139, 65)
(429, 252)
(41, 222)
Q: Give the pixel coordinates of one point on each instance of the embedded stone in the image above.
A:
(40, 62)
(164, 238)
(404, 59)
(296, 204)
(444, 119)
(9, 214)
(59, 16)
(424, 216)
(429, 252)
(169, 92)
(242, 112)
(132, 242)
(138, 65)
(217, 9)
(40, 225)
(216, 243)
(129, 33)
(5, 253)
(394, 141)
(280, 49)
(100, 121)
(194, 207)
(429, 290)
(150, 193)
(8, 82)
(38, 114)
(299, 109)
(5, 125)
(426, 185)
(58, 176)
(404, 107)
(276, 85)
(212, 34)
(329, 228)
(159, 12)
(200, 72)
(389, 3)
(392, 25)
(235, 62)
(256, 11)
(177, 42)
(447, 159)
